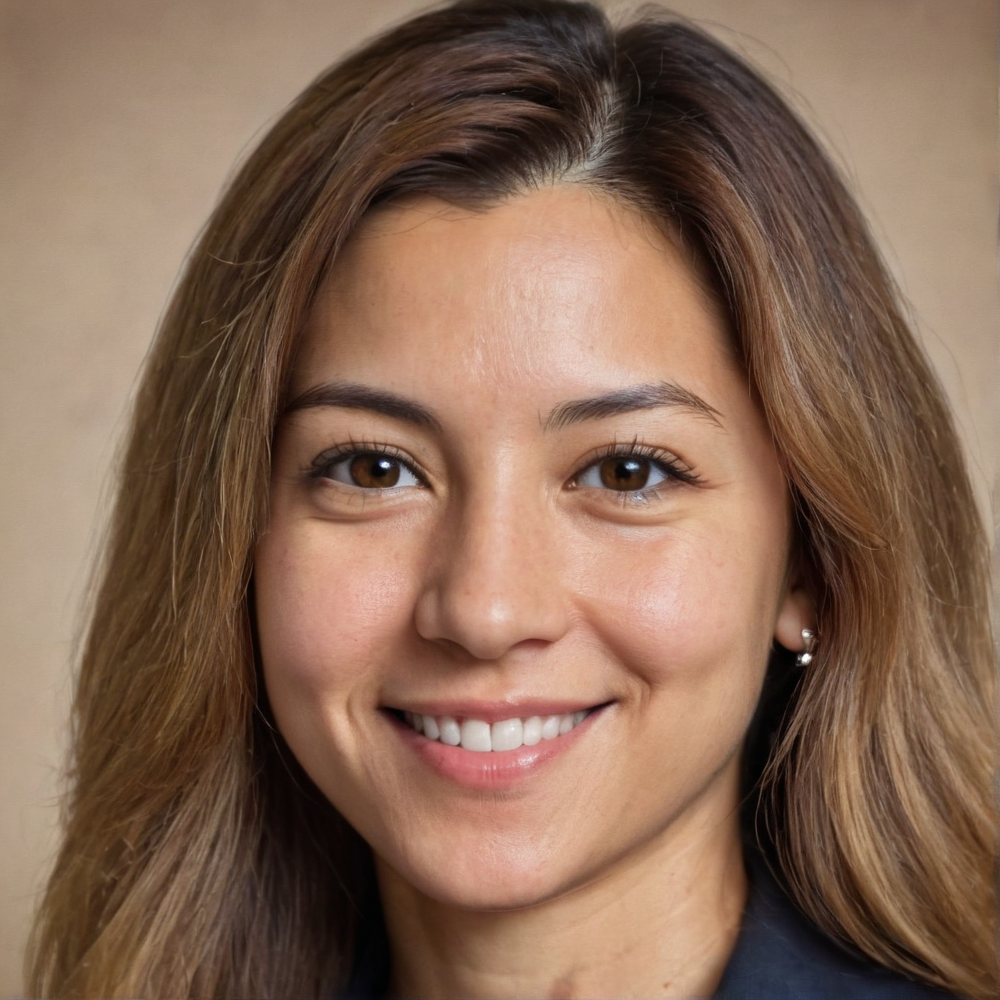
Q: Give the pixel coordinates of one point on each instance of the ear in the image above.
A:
(796, 612)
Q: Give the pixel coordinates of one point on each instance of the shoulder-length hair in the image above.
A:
(198, 859)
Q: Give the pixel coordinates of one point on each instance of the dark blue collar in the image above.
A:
(780, 955)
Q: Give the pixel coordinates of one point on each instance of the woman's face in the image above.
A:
(522, 478)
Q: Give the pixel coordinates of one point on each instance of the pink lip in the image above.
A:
(493, 771)
(495, 711)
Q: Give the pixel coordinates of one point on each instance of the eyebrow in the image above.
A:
(356, 396)
(626, 400)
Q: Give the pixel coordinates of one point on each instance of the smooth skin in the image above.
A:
(501, 565)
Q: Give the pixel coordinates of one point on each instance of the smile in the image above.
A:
(485, 737)
(492, 746)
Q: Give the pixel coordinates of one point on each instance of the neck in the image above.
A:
(660, 922)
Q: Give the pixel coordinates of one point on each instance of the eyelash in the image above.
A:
(323, 462)
(669, 464)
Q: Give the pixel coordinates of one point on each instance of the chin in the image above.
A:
(485, 875)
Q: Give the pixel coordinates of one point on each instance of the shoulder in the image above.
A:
(780, 955)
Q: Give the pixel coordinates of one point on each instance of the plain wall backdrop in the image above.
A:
(120, 120)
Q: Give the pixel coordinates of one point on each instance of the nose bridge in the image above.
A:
(496, 580)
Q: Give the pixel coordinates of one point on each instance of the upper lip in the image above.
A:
(495, 711)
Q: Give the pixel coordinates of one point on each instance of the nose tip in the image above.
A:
(485, 626)
(496, 588)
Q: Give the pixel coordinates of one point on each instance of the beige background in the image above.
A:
(121, 118)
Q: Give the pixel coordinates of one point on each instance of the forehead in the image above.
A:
(564, 289)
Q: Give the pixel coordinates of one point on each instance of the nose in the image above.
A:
(495, 581)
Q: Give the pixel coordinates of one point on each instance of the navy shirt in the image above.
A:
(779, 955)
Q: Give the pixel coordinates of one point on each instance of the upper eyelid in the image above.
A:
(630, 448)
(336, 452)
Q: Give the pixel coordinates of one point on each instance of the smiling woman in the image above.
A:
(544, 564)
(543, 549)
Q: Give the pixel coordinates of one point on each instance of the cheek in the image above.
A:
(327, 607)
(695, 605)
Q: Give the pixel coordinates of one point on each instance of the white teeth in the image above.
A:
(450, 731)
(481, 737)
(531, 731)
(476, 735)
(507, 735)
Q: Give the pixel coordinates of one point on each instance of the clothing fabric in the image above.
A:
(779, 955)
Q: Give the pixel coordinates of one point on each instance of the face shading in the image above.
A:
(528, 547)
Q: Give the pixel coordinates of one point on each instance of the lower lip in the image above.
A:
(495, 770)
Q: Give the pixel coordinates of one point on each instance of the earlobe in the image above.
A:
(796, 616)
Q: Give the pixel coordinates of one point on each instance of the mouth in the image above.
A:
(491, 746)
(483, 736)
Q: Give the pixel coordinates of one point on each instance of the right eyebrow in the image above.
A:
(628, 399)
(354, 396)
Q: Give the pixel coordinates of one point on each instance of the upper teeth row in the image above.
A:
(474, 734)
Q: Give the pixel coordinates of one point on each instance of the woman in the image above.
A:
(544, 562)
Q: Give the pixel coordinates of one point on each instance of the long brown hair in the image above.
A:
(198, 859)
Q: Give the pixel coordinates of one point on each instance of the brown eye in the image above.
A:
(371, 471)
(374, 471)
(631, 473)
(624, 472)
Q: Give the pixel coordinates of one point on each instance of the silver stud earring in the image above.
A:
(809, 641)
